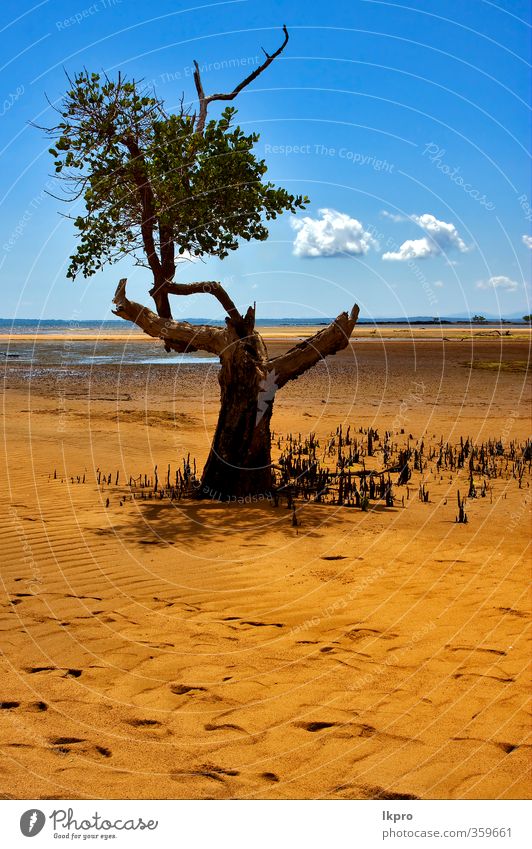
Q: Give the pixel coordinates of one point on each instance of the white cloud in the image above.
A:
(527, 241)
(500, 282)
(411, 249)
(441, 237)
(393, 217)
(332, 234)
(443, 234)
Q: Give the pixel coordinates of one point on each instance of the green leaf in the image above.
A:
(208, 191)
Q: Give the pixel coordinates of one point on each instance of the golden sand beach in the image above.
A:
(196, 649)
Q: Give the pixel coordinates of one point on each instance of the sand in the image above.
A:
(204, 650)
(291, 333)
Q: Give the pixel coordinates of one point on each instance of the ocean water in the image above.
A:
(52, 354)
(21, 326)
(58, 355)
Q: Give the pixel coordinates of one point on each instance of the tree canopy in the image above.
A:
(157, 185)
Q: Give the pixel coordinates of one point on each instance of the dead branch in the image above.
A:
(299, 359)
(177, 335)
(209, 287)
(205, 101)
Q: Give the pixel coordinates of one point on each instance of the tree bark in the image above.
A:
(176, 335)
(239, 462)
(302, 357)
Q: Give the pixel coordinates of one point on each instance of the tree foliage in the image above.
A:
(152, 185)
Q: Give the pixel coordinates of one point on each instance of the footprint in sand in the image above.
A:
(215, 773)
(512, 612)
(356, 634)
(183, 689)
(315, 726)
(366, 791)
(262, 624)
(475, 649)
(61, 745)
(34, 670)
(227, 726)
(486, 677)
(66, 741)
(381, 793)
(32, 706)
(507, 748)
(270, 776)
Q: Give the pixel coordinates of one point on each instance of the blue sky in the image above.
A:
(407, 124)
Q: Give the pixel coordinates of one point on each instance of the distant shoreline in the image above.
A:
(389, 332)
(73, 326)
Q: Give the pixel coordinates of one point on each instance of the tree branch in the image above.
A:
(167, 248)
(210, 287)
(204, 101)
(177, 335)
(147, 201)
(299, 359)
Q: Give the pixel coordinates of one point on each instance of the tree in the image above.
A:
(478, 319)
(162, 187)
(527, 318)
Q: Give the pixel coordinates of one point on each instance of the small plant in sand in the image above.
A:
(461, 519)
(338, 471)
(162, 187)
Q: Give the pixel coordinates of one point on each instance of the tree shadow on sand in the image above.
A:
(170, 523)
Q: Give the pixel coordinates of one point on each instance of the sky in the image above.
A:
(407, 124)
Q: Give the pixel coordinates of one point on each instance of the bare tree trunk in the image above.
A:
(239, 462)
(159, 294)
